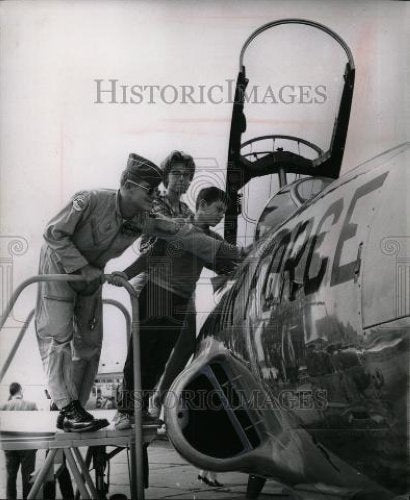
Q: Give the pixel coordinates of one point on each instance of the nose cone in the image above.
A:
(216, 421)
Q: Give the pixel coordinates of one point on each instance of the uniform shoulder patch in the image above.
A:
(80, 201)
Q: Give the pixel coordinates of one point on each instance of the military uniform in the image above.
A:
(89, 230)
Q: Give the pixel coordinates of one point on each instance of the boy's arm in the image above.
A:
(137, 267)
(228, 257)
(188, 238)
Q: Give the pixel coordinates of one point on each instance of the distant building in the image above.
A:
(105, 389)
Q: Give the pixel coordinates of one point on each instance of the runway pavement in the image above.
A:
(171, 477)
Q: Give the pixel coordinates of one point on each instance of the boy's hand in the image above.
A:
(117, 278)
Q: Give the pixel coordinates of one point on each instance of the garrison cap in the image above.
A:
(141, 169)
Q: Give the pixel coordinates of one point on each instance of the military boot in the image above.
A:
(73, 418)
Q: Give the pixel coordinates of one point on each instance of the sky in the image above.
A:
(56, 138)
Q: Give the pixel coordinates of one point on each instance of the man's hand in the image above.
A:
(117, 278)
(91, 273)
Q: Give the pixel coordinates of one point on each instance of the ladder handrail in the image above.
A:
(16, 345)
(124, 310)
(54, 277)
(137, 486)
(27, 322)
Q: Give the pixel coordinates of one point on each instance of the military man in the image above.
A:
(93, 228)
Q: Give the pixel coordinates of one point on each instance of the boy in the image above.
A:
(172, 274)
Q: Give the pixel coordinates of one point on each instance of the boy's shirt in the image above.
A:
(171, 268)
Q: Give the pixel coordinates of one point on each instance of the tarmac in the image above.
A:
(171, 477)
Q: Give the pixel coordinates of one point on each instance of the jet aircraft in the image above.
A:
(301, 371)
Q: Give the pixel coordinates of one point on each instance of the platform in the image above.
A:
(25, 430)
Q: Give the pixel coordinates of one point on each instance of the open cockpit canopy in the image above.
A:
(286, 157)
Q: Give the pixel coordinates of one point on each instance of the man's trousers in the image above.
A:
(15, 458)
(69, 333)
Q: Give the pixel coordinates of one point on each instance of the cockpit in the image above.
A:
(284, 203)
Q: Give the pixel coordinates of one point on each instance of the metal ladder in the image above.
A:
(136, 473)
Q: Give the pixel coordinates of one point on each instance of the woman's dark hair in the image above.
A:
(177, 157)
